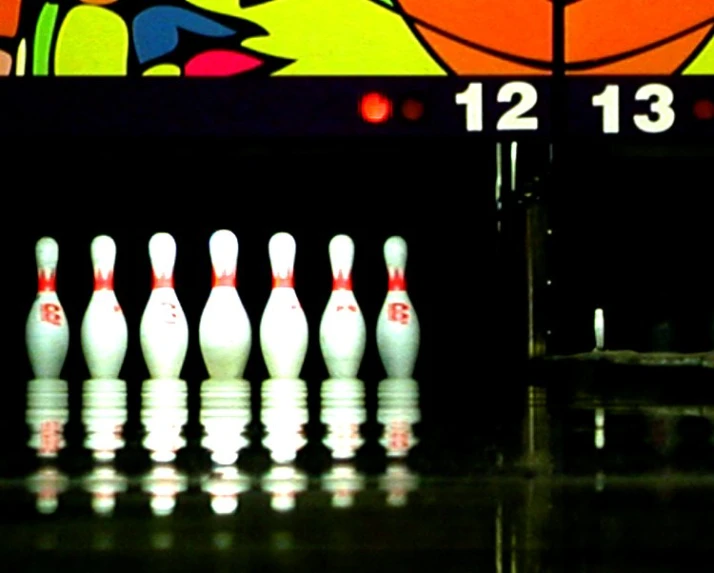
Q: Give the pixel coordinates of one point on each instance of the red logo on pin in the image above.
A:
(398, 312)
(51, 312)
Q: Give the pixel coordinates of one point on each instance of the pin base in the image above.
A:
(225, 384)
(160, 383)
(47, 385)
(399, 383)
(274, 382)
(342, 382)
(103, 384)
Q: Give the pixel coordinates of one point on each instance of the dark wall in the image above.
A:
(633, 235)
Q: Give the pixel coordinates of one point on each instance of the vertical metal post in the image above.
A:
(536, 231)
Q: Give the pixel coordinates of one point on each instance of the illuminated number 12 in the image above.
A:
(514, 119)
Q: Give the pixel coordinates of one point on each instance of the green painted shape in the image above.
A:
(44, 32)
(389, 3)
(92, 41)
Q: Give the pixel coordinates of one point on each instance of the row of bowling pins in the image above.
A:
(225, 330)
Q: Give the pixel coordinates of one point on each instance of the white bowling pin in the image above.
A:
(47, 331)
(224, 331)
(397, 325)
(283, 327)
(164, 329)
(104, 329)
(342, 329)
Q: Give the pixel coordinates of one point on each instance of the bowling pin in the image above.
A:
(47, 331)
(397, 325)
(283, 327)
(104, 329)
(224, 331)
(163, 329)
(342, 329)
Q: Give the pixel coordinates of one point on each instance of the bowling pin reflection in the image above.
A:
(224, 486)
(343, 412)
(47, 484)
(225, 414)
(47, 414)
(398, 481)
(104, 415)
(164, 413)
(104, 483)
(284, 483)
(164, 483)
(284, 414)
(344, 482)
(397, 411)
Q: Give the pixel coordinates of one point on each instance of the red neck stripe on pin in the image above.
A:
(163, 281)
(397, 281)
(341, 282)
(224, 279)
(46, 281)
(283, 282)
(102, 282)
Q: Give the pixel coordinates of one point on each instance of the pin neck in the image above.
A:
(163, 281)
(46, 280)
(103, 282)
(397, 280)
(224, 279)
(283, 281)
(342, 282)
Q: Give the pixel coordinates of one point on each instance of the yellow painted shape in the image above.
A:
(21, 59)
(333, 37)
(92, 41)
(703, 64)
(163, 70)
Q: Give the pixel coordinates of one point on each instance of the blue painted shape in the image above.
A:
(156, 30)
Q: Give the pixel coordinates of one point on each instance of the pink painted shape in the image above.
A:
(221, 63)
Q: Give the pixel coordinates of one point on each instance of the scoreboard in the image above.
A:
(523, 68)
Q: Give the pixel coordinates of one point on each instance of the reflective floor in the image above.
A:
(593, 484)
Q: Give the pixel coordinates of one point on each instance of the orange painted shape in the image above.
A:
(467, 61)
(9, 17)
(600, 28)
(5, 64)
(665, 60)
(519, 27)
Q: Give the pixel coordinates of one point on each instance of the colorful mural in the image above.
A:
(350, 37)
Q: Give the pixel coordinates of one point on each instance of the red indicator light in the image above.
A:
(412, 109)
(704, 109)
(375, 108)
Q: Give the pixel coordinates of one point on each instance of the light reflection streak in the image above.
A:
(104, 414)
(284, 415)
(343, 413)
(47, 414)
(225, 415)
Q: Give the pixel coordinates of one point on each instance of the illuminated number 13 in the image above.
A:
(660, 97)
